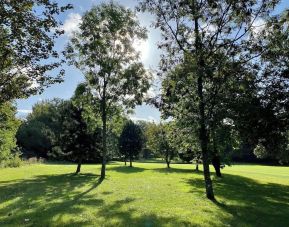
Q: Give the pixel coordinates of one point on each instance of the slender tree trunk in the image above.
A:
(202, 119)
(130, 160)
(167, 161)
(168, 164)
(207, 175)
(197, 166)
(78, 165)
(125, 161)
(104, 128)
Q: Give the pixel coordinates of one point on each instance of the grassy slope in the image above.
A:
(146, 195)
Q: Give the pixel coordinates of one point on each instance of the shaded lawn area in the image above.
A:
(145, 195)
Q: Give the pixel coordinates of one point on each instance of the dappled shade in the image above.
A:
(142, 196)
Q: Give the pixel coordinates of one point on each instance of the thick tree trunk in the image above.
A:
(78, 165)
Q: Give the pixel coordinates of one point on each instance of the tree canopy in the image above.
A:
(28, 30)
(103, 50)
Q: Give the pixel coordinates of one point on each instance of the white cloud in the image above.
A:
(258, 26)
(143, 47)
(149, 118)
(24, 111)
(71, 24)
(151, 93)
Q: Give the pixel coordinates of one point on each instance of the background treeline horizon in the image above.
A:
(39, 136)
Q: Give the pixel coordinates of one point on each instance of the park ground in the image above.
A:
(146, 195)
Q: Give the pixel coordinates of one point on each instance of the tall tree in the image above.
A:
(166, 148)
(204, 34)
(8, 128)
(103, 50)
(131, 141)
(80, 136)
(40, 128)
(28, 30)
(76, 142)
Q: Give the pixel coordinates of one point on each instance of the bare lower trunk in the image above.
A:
(207, 177)
(78, 165)
(217, 165)
(197, 166)
(167, 160)
(204, 142)
(102, 175)
(104, 151)
(130, 161)
(168, 164)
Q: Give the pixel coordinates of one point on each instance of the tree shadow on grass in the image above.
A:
(176, 170)
(128, 217)
(127, 169)
(45, 197)
(57, 200)
(248, 202)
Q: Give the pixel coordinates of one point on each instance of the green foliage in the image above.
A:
(28, 30)
(37, 133)
(131, 141)
(151, 133)
(260, 151)
(205, 43)
(14, 160)
(9, 155)
(79, 138)
(103, 51)
(69, 130)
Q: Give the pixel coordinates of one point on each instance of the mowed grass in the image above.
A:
(145, 195)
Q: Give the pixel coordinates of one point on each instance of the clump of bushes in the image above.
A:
(13, 160)
(9, 124)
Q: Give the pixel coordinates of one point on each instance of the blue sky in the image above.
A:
(150, 58)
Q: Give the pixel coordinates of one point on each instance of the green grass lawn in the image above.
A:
(146, 195)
